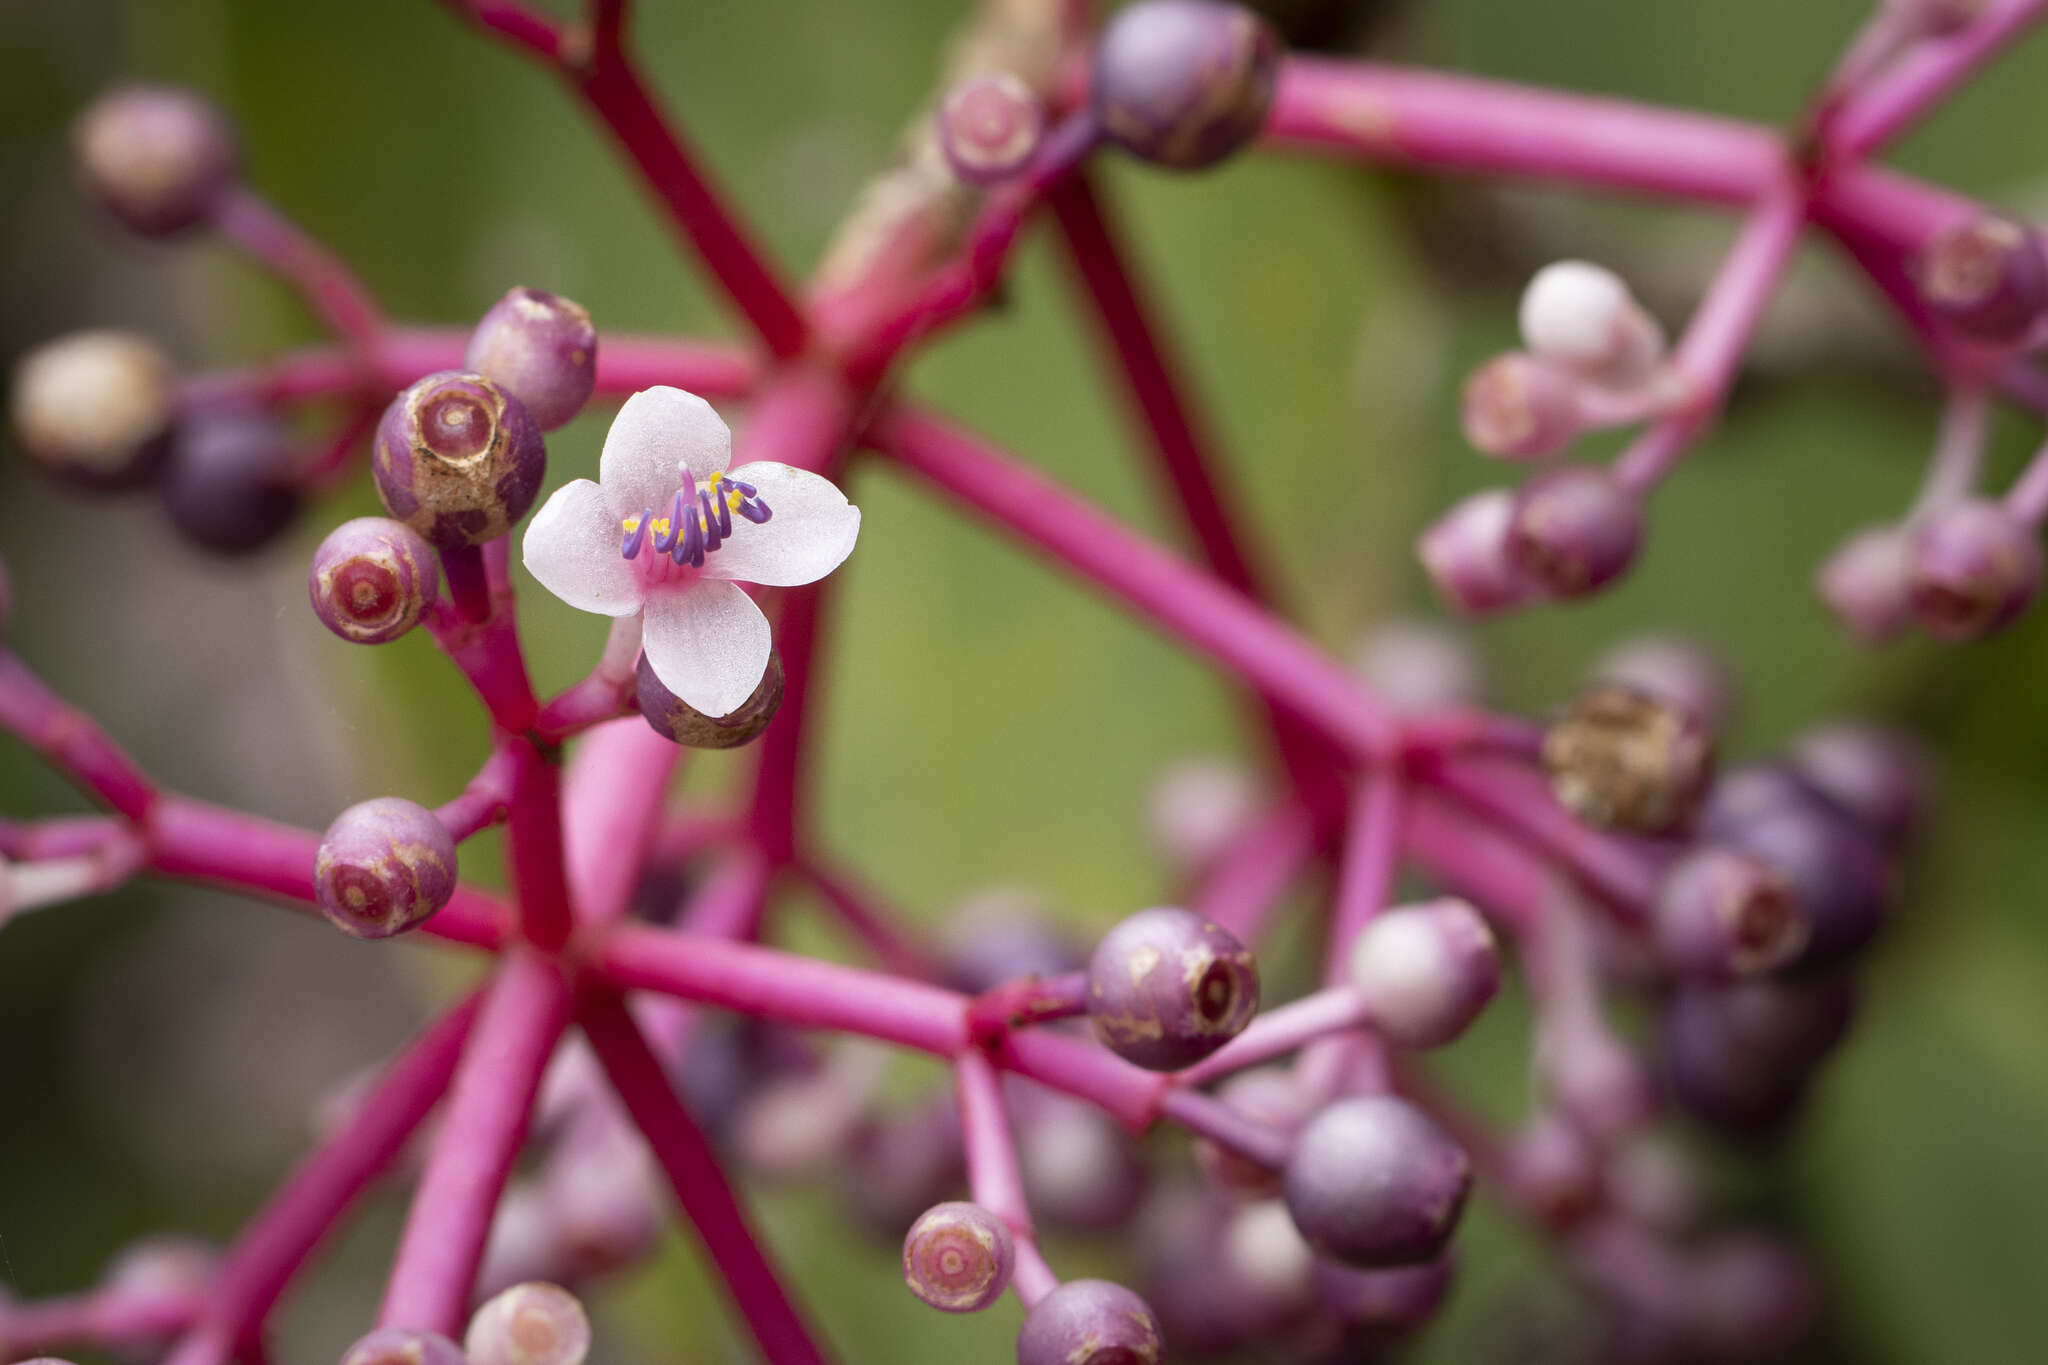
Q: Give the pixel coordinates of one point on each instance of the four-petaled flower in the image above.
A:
(668, 531)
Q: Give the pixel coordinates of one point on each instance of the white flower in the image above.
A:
(668, 532)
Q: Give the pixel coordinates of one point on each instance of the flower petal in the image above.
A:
(656, 431)
(810, 530)
(572, 547)
(708, 643)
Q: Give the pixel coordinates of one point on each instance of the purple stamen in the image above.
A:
(665, 541)
(756, 511)
(637, 537)
(724, 516)
(690, 544)
(713, 537)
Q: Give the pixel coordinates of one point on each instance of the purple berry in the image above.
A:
(1516, 407)
(1752, 1297)
(900, 1164)
(1375, 1182)
(1683, 673)
(383, 866)
(1880, 776)
(1723, 912)
(601, 1197)
(372, 579)
(403, 1346)
(958, 1257)
(1623, 759)
(1271, 1095)
(1090, 1322)
(1184, 83)
(1988, 277)
(457, 459)
(989, 128)
(1080, 1170)
(95, 408)
(1739, 1056)
(1166, 988)
(1466, 555)
(1867, 584)
(1835, 867)
(541, 349)
(1392, 1302)
(228, 482)
(1425, 971)
(529, 1324)
(1553, 1170)
(1575, 530)
(676, 720)
(157, 157)
(1975, 567)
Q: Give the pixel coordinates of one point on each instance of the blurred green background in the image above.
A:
(987, 723)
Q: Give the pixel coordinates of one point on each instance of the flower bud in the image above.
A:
(1004, 934)
(529, 1324)
(1881, 777)
(95, 408)
(228, 482)
(1739, 1056)
(403, 1346)
(1392, 1301)
(1838, 874)
(1684, 673)
(1722, 912)
(1080, 1170)
(1575, 530)
(1166, 988)
(990, 128)
(1581, 316)
(898, 1165)
(1090, 1322)
(164, 1266)
(1184, 83)
(1265, 1253)
(602, 1200)
(541, 349)
(1466, 555)
(1988, 277)
(1621, 759)
(1425, 971)
(1594, 1078)
(1518, 407)
(383, 866)
(1375, 1182)
(959, 1257)
(1552, 1169)
(1867, 584)
(157, 157)
(1975, 568)
(1196, 807)
(676, 720)
(457, 459)
(1268, 1095)
(372, 579)
(1420, 665)
(1753, 1297)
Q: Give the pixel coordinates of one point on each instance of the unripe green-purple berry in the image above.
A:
(989, 128)
(403, 1346)
(1375, 1182)
(1090, 1322)
(228, 482)
(675, 719)
(95, 408)
(1184, 83)
(1166, 988)
(540, 348)
(458, 459)
(958, 1257)
(157, 157)
(529, 1324)
(384, 865)
(372, 579)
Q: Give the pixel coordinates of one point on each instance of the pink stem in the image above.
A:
(71, 741)
(1365, 882)
(533, 839)
(310, 1204)
(1958, 449)
(1086, 1071)
(1928, 73)
(784, 987)
(611, 807)
(1499, 876)
(1208, 1117)
(61, 836)
(487, 650)
(1281, 1030)
(1023, 1003)
(490, 1105)
(1166, 590)
(2028, 498)
(687, 1158)
(877, 924)
(483, 802)
(730, 903)
(202, 842)
(992, 1173)
(524, 27)
(322, 279)
(106, 1318)
(1243, 886)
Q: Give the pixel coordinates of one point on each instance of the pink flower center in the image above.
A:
(696, 522)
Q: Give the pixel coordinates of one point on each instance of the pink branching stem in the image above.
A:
(1243, 885)
(1925, 76)
(487, 650)
(1208, 1117)
(626, 364)
(609, 691)
(1499, 876)
(733, 896)
(533, 841)
(992, 1174)
(784, 987)
(1711, 351)
(524, 1011)
(329, 287)
(1958, 449)
(689, 830)
(878, 925)
(331, 458)
(700, 1186)
(1022, 1003)
(611, 808)
(483, 802)
(469, 592)
(1281, 1030)
(1165, 590)
(309, 1206)
(61, 836)
(1086, 1071)
(1365, 881)
(201, 842)
(71, 741)
(108, 1318)
(2028, 499)
(1170, 427)
(1468, 730)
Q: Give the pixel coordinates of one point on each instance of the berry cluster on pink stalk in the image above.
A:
(1601, 847)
